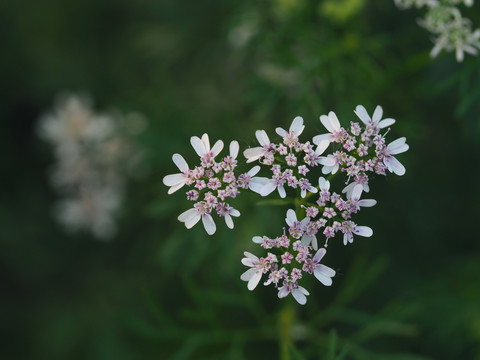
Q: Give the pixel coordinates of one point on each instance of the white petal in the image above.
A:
(299, 296)
(362, 113)
(363, 231)
(326, 122)
(281, 191)
(325, 270)
(249, 262)
(187, 214)
(198, 145)
(251, 256)
(312, 189)
(297, 125)
(234, 147)
(180, 162)
(322, 146)
(206, 142)
(174, 179)
(357, 192)
(257, 184)
(209, 224)
(291, 217)
(303, 290)
(319, 255)
(257, 239)
(327, 161)
(253, 171)
(254, 280)
(281, 132)
(314, 243)
(229, 221)
(386, 122)
(394, 165)
(282, 292)
(348, 189)
(253, 154)
(247, 275)
(192, 221)
(234, 212)
(319, 139)
(262, 137)
(175, 187)
(307, 239)
(397, 143)
(268, 188)
(367, 202)
(325, 280)
(334, 123)
(217, 148)
(377, 114)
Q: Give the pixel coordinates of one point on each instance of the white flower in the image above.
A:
(192, 216)
(395, 147)
(254, 274)
(323, 273)
(292, 221)
(255, 153)
(376, 119)
(296, 128)
(176, 181)
(364, 231)
(332, 124)
(228, 216)
(202, 147)
(298, 292)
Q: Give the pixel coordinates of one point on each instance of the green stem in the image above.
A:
(286, 318)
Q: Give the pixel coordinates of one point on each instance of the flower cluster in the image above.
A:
(452, 31)
(287, 266)
(361, 152)
(214, 183)
(358, 152)
(94, 154)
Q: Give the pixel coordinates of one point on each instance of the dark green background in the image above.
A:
(158, 291)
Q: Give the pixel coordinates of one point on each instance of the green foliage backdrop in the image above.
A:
(159, 291)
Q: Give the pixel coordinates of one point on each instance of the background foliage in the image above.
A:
(229, 68)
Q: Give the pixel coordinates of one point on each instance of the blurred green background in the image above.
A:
(159, 291)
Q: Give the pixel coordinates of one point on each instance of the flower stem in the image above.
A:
(286, 317)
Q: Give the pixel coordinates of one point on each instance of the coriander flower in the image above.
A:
(298, 292)
(202, 148)
(395, 147)
(375, 120)
(199, 211)
(323, 273)
(290, 138)
(176, 181)
(332, 124)
(256, 153)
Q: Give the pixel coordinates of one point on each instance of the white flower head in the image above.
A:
(395, 147)
(255, 153)
(332, 124)
(376, 119)
(176, 181)
(323, 273)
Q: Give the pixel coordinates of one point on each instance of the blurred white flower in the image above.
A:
(93, 154)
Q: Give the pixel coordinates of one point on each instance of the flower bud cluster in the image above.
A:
(452, 31)
(213, 183)
(94, 155)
